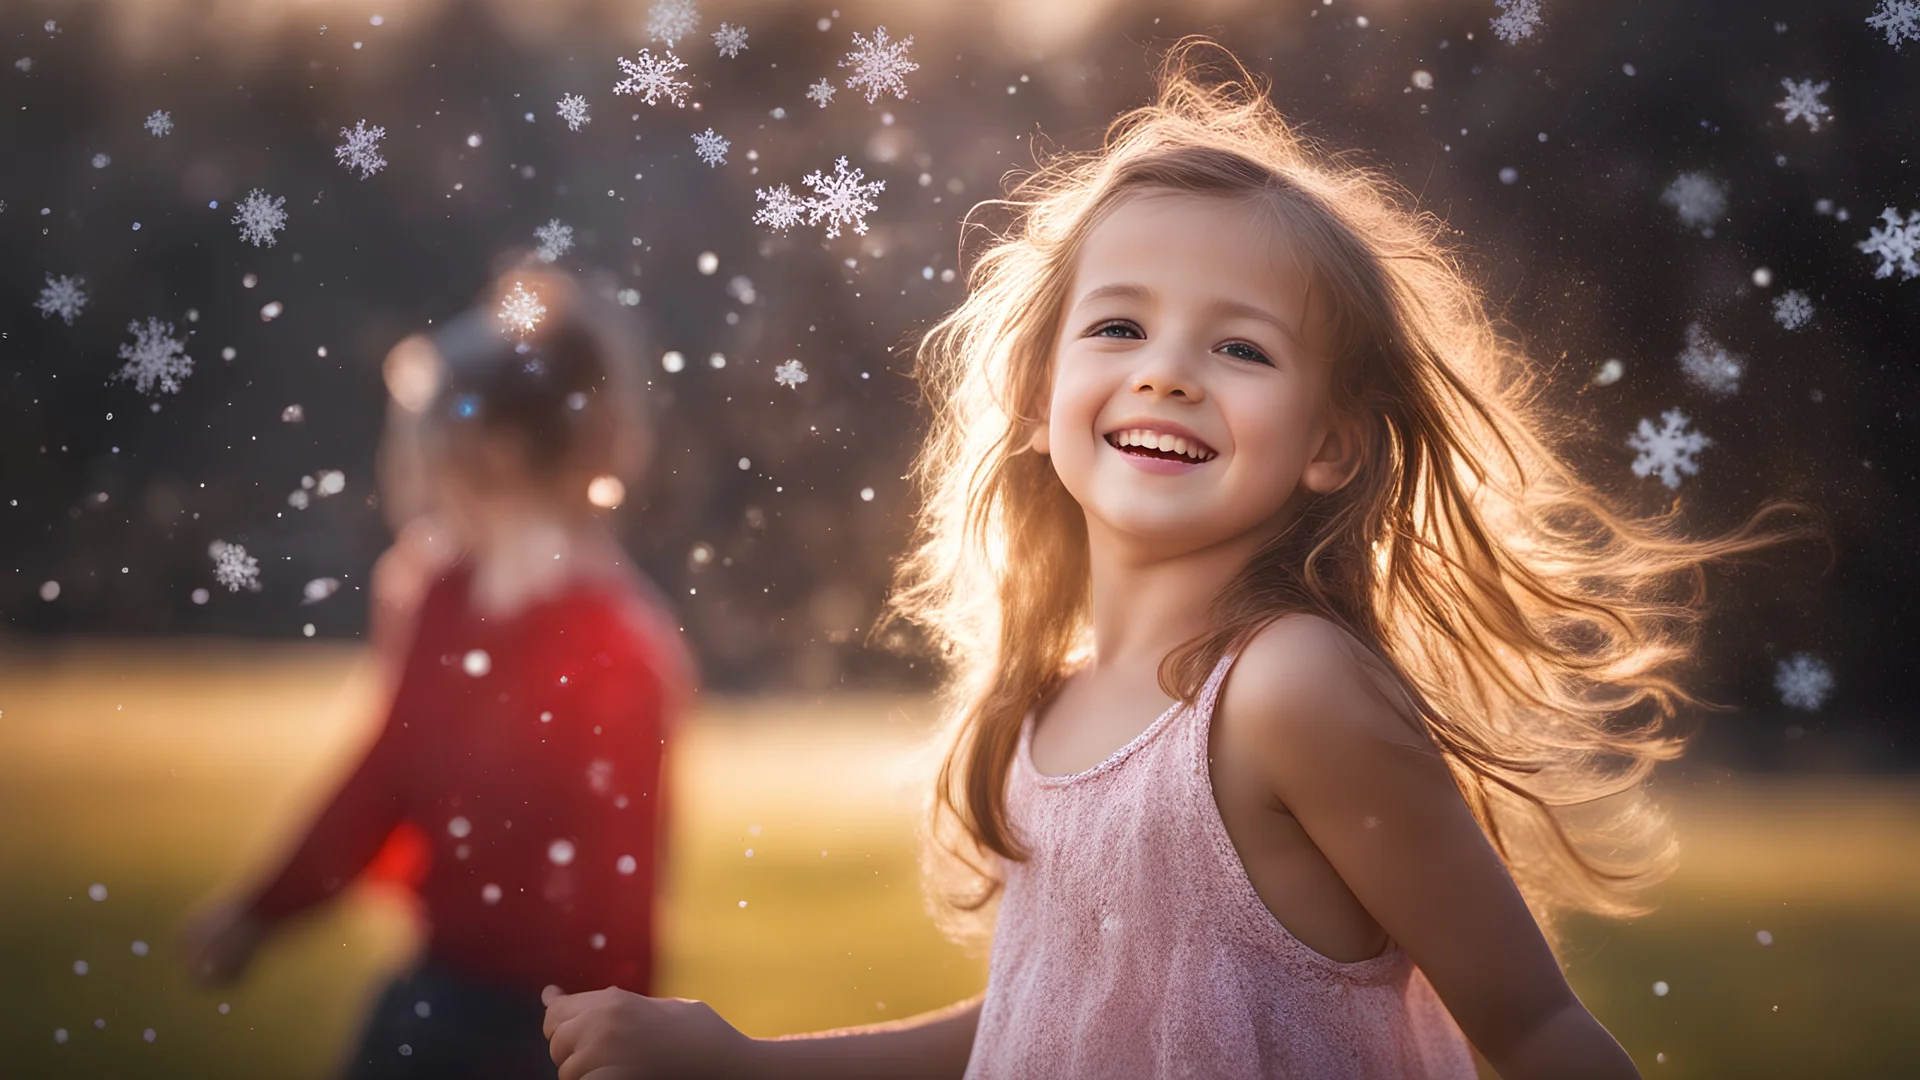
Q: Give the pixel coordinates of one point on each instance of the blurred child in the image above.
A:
(1279, 630)
(540, 681)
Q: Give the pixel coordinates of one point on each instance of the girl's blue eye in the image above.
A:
(1242, 350)
(1126, 328)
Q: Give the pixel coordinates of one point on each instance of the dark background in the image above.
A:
(117, 501)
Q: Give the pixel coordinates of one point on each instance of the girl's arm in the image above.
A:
(1381, 804)
(637, 1038)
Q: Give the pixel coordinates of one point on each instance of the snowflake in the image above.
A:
(1793, 310)
(710, 147)
(573, 109)
(879, 65)
(1804, 681)
(783, 211)
(555, 240)
(821, 92)
(1803, 102)
(64, 296)
(1898, 244)
(1699, 199)
(671, 20)
(1668, 450)
(159, 123)
(1517, 19)
(1708, 365)
(843, 198)
(730, 39)
(361, 151)
(233, 567)
(1898, 19)
(652, 79)
(521, 310)
(260, 216)
(155, 358)
(790, 374)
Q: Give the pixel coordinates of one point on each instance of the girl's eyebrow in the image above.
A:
(1124, 290)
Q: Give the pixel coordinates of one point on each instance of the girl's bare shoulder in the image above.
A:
(1304, 679)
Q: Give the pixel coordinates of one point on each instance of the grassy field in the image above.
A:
(161, 774)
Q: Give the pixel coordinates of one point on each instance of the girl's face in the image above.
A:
(1188, 329)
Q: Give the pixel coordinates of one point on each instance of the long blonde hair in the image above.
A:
(1536, 627)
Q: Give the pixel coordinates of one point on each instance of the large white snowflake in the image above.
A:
(879, 65)
(573, 109)
(259, 216)
(1698, 199)
(1517, 19)
(1793, 310)
(841, 199)
(671, 20)
(652, 78)
(1898, 19)
(1803, 102)
(790, 374)
(1668, 450)
(730, 39)
(1897, 243)
(821, 92)
(361, 150)
(709, 147)
(155, 358)
(1804, 681)
(783, 209)
(159, 122)
(233, 567)
(555, 240)
(1708, 365)
(64, 296)
(521, 310)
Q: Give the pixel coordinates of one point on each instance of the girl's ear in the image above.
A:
(1338, 460)
(1038, 442)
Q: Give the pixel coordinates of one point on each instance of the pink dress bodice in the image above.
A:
(1131, 943)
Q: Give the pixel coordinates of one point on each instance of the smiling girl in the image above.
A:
(1279, 630)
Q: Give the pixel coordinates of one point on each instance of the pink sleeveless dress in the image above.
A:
(1131, 943)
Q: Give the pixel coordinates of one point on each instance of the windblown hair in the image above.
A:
(1536, 628)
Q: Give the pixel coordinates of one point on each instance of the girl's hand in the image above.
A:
(612, 1034)
(220, 942)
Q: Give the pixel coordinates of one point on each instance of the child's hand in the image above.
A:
(220, 942)
(612, 1034)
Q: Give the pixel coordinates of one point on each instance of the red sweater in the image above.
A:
(528, 753)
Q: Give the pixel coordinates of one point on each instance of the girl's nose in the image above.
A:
(1167, 374)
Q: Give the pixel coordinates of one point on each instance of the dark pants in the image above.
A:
(469, 1031)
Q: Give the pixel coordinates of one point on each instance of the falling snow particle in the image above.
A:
(671, 20)
(626, 864)
(1793, 310)
(490, 893)
(96, 892)
(821, 92)
(1804, 681)
(783, 209)
(652, 78)
(573, 109)
(1609, 372)
(555, 240)
(1708, 365)
(790, 374)
(845, 198)
(1898, 19)
(319, 589)
(1897, 243)
(710, 147)
(1699, 200)
(560, 852)
(1669, 450)
(879, 65)
(1660, 988)
(476, 663)
(233, 567)
(730, 39)
(159, 123)
(361, 150)
(259, 216)
(1803, 102)
(155, 359)
(1518, 19)
(64, 296)
(520, 311)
